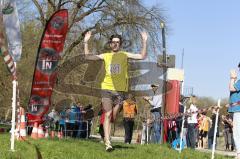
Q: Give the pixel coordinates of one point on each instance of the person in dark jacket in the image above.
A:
(211, 130)
(227, 132)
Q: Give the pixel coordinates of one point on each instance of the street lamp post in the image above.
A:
(164, 77)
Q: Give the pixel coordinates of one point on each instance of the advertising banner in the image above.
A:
(45, 74)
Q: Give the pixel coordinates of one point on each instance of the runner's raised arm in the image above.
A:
(143, 54)
(86, 49)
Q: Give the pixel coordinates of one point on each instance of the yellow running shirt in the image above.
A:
(116, 71)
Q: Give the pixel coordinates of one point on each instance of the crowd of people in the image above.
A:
(74, 121)
(198, 128)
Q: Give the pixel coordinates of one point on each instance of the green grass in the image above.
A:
(90, 149)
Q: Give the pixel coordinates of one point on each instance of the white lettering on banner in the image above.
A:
(42, 82)
(54, 36)
(42, 89)
(34, 108)
(46, 64)
(52, 41)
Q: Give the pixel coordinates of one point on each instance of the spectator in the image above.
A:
(72, 122)
(203, 130)
(227, 132)
(211, 130)
(79, 119)
(156, 103)
(192, 123)
(54, 120)
(88, 116)
(68, 125)
(172, 130)
(129, 113)
(234, 107)
(180, 119)
(62, 121)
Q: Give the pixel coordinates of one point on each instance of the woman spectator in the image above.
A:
(129, 112)
(203, 128)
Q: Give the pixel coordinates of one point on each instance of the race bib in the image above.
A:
(115, 68)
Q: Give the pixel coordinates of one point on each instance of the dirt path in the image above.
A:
(220, 152)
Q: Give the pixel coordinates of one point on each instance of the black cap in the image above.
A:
(239, 64)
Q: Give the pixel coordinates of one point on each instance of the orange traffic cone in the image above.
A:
(52, 134)
(17, 125)
(40, 132)
(17, 133)
(22, 131)
(34, 134)
(46, 133)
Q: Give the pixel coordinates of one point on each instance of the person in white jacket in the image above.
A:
(156, 103)
(192, 123)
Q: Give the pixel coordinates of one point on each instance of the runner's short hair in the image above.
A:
(239, 64)
(115, 36)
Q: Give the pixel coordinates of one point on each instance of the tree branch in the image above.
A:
(82, 16)
(97, 30)
(79, 4)
(94, 9)
(63, 3)
(52, 5)
(78, 41)
(42, 19)
(59, 4)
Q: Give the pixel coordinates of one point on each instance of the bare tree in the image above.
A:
(104, 17)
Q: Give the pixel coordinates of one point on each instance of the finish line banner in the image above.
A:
(45, 74)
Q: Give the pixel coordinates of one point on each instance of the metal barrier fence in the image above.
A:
(81, 129)
(78, 129)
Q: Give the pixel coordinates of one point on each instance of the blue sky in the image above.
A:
(209, 32)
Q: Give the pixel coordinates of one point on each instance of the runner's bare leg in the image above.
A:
(107, 106)
(116, 108)
(115, 111)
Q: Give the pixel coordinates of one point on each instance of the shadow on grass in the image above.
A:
(96, 140)
(122, 147)
(39, 156)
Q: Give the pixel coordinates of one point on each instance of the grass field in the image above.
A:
(90, 149)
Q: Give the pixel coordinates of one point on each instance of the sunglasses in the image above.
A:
(115, 42)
